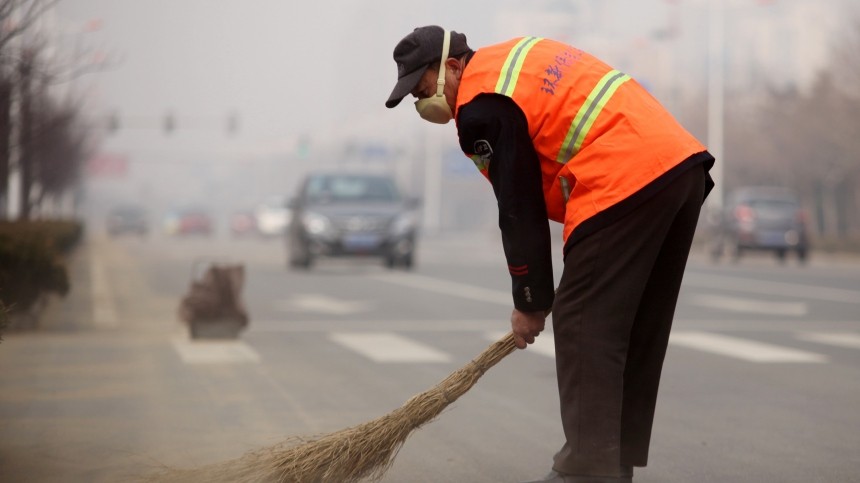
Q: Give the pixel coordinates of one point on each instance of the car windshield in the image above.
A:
(773, 209)
(351, 188)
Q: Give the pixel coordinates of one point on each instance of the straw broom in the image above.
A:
(364, 451)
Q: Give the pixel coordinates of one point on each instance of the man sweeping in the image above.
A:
(562, 136)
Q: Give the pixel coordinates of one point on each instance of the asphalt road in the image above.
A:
(761, 382)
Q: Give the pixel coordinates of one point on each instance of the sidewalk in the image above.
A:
(109, 401)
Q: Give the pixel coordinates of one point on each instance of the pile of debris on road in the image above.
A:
(213, 306)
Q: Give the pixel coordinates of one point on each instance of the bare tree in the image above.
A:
(61, 144)
(846, 68)
(845, 61)
(6, 86)
(814, 135)
(16, 18)
(26, 68)
(48, 137)
(52, 139)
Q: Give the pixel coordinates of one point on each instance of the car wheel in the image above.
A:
(404, 261)
(737, 251)
(780, 255)
(301, 263)
(407, 261)
(714, 250)
(802, 255)
(300, 257)
(389, 261)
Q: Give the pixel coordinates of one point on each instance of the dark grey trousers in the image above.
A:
(611, 318)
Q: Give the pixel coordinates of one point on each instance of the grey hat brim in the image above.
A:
(404, 86)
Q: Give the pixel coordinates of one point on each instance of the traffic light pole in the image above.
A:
(716, 96)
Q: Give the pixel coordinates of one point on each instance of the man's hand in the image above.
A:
(526, 326)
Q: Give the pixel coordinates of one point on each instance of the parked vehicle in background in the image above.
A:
(189, 221)
(351, 215)
(127, 219)
(272, 216)
(762, 218)
(243, 223)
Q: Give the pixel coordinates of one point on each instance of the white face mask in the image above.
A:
(435, 108)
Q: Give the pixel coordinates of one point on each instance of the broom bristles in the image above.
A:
(364, 451)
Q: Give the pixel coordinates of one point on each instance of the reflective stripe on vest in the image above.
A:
(511, 69)
(480, 162)
(599, 136)
(588, 112)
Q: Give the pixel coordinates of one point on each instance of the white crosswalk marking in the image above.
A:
(839, 339)
(447, 287)
(323, 304)
(104, 310)
(736, 304)
(717, 344)
(206, 351)
(782, 289)
(741, 348)
(388, 347)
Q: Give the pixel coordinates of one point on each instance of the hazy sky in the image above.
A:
(286, 67)
(322, 70)
(290, 68)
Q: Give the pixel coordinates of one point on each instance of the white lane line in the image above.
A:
(323, 304)
(213, 351)
(840, 339)
(104, 310)
(736, 304)
(357, 324)
(741, 348)
(718, 344)
(448, 287)
(773, 288)
(388, 347)
(544, 344)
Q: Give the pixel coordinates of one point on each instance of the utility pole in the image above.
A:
(25, 135)
(716, 96)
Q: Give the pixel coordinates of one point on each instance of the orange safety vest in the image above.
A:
(599, 135)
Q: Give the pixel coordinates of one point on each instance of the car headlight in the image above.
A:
(316, 224)
(404, 223)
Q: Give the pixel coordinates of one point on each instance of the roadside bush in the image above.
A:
(32, 261)
(61, 235)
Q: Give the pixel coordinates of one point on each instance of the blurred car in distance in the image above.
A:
(243, 223)
(127, 219)
(189, 221)
(762, 218)
(351, 215)
(272, 216)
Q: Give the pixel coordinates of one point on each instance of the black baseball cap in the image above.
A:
(416, 52)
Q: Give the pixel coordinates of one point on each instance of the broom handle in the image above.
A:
(494, 353)
(498, 350)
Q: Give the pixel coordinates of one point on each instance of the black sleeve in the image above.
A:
(494, 127)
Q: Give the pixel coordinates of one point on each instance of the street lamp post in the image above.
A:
(716, 96)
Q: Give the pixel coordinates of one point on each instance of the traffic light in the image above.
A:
(113, 123)
(232, 124)
(169, 123)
